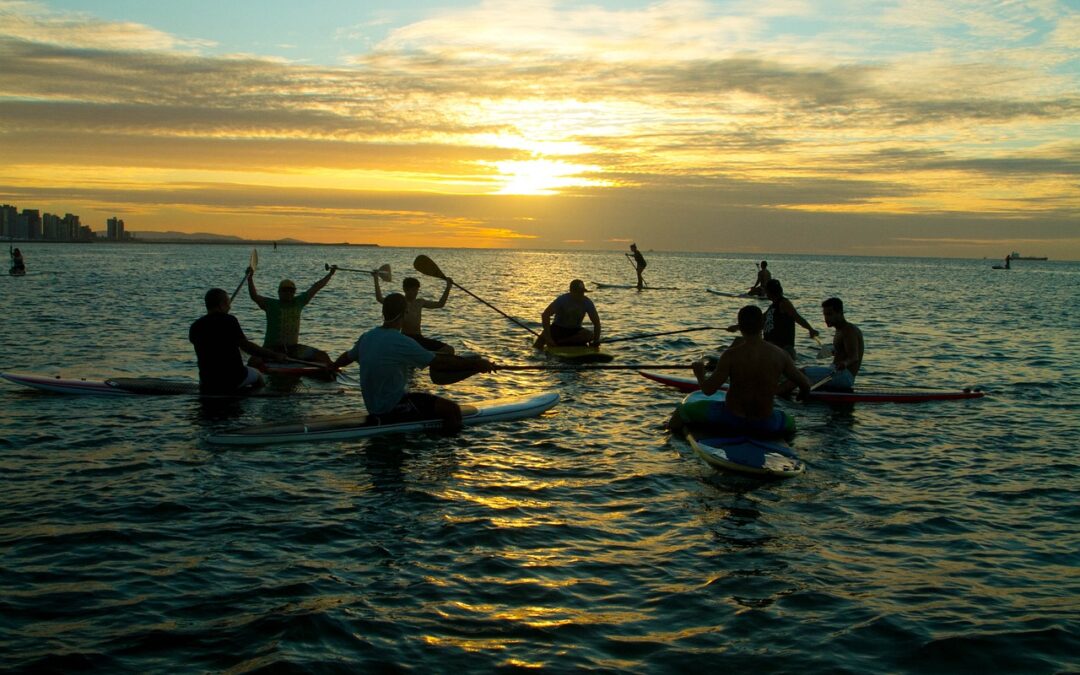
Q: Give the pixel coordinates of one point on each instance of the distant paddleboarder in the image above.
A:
(18, 265)
(763, 277)
(639, 264)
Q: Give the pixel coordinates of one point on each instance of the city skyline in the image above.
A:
(883, 128)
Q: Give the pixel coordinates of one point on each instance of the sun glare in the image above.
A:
(542, 176)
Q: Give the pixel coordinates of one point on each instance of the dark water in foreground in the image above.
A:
(937, 537)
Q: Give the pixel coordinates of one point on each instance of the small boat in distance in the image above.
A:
(1016, 256)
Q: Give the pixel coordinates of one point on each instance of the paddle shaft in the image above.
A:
(252, 263)
(427, 266)
(649, 335)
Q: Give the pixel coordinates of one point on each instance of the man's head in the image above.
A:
(833, 311)
(286, 290)
(633, 247)
(411, 286)
(393, 309)
(217, 299)
(751, 320)
(773, 289)
(577, 287)
(764, 264)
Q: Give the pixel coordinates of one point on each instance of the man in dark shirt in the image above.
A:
(217, 337)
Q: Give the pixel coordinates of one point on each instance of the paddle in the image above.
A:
(649, 335)
(252, 263)
(439, 376)
(383, 271)
(426, 266)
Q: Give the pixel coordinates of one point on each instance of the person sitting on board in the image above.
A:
(780, 319)
(639, 263)
(754, 367)
(763, 277)
(18, 265)
(386, 355)
(283, 317)
(563, 320)
(847, 349)
(414, 311)
(218, 339)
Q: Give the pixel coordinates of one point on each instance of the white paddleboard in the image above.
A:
(358, 425)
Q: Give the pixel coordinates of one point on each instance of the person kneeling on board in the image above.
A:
(283, 316)
(563, 318)
(385, 356)
(217, 337)
(847, 350)
(414, 311)
(754, 367)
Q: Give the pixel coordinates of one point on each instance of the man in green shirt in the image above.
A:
(283, 317)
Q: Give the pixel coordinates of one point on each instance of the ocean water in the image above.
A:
(932, 538)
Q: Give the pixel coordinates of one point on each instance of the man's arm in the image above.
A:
(710, 384)
(793, 374)
(595, 318)
(258, 299)
(441, 302)
(321, 283)
(790, 310)
(453, 362)
(345, 359)
(852, 359)
(378, 289)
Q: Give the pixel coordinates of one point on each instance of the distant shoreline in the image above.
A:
(213, 242)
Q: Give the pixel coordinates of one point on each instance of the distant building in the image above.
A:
(8, 214)
(32, 224)
(50, 227)
(115, 229)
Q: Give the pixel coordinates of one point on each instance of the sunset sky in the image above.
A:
(908, 127)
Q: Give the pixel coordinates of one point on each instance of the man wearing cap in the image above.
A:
(283, 317)
(563, 318)
(386, 356)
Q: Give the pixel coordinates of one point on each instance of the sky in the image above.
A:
(910, 127)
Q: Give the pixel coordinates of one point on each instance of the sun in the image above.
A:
(542, 176)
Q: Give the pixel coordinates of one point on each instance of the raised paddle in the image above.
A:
(439, 376)
(383, 272)
(253, 262)
(649, 335)
(426, 266)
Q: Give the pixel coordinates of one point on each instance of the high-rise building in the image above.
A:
(8, 214)
(51, 227)
(33, 223)
(115, 229)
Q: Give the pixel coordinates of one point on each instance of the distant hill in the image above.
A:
(210, 238)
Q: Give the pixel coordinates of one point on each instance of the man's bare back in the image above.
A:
(754, 367)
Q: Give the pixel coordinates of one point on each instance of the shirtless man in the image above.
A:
(562, 320)
(414, 310)
(847, 349)
(754, 367)
(763, 277)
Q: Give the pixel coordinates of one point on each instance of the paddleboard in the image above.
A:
(634, 286)
(749, 296)
(133, 386)
(579, 354)
(857, 395)
(289, 369)
(360, 425)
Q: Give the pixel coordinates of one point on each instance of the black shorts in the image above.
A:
(560, 333)
(428, 343)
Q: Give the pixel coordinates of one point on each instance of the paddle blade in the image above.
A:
(253, 263)
(384, 273)
(426, 266)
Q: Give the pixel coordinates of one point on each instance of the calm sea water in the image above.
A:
(938, 537)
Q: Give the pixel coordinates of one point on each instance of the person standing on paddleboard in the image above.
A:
(18, 265)
(218, 340)
(780, 319)
(283, 317)
(639, 264)
(414, 311)
(754, 367)
(847, 349)
(563, 320)
(385, 356)
(763, 277)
